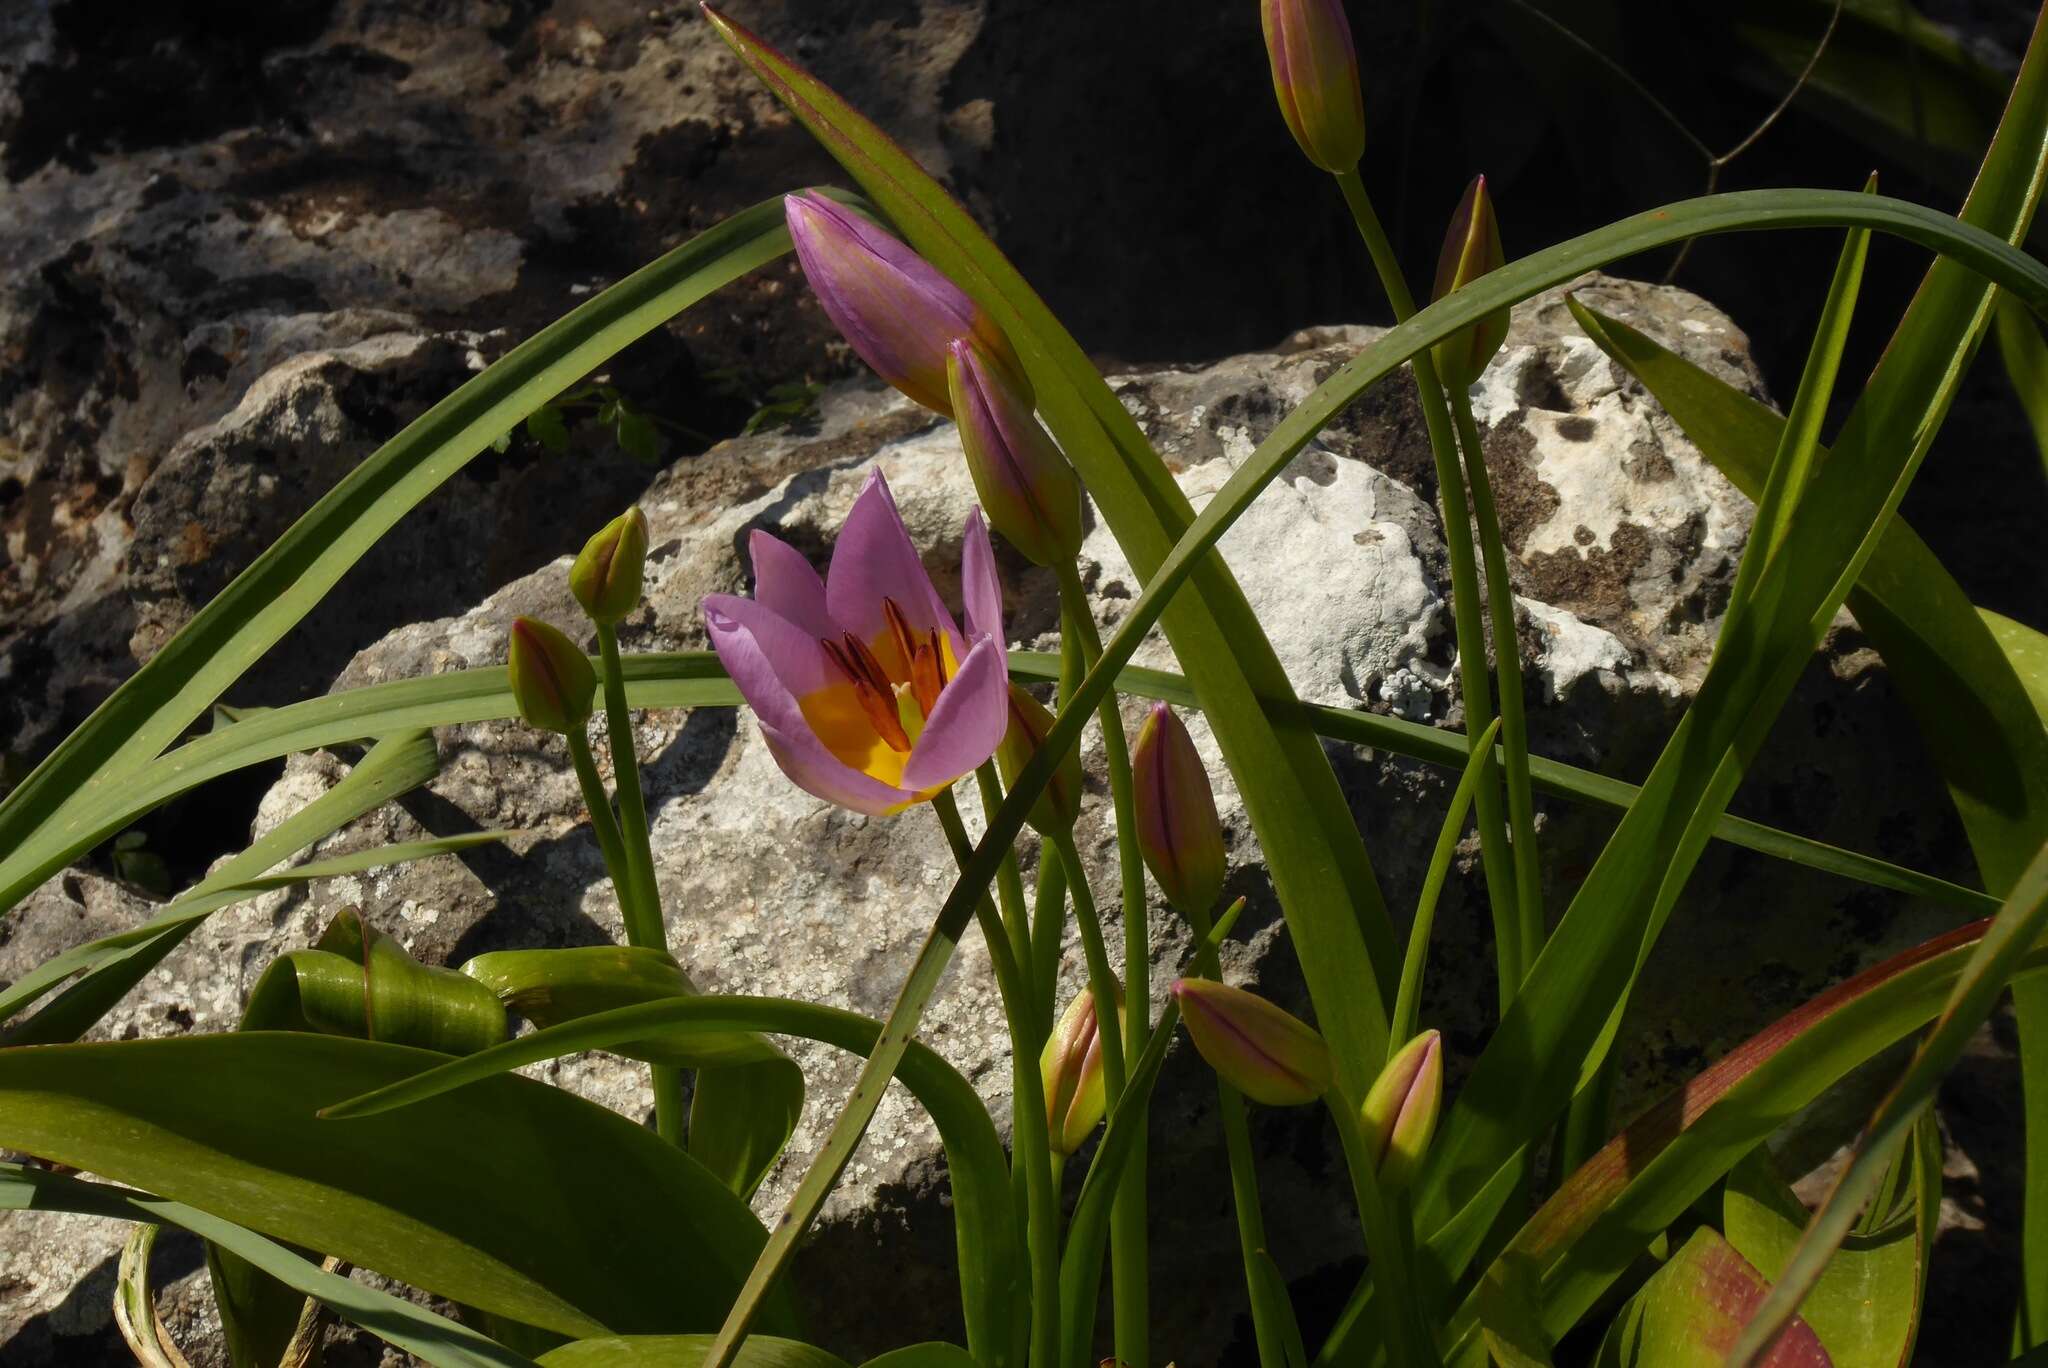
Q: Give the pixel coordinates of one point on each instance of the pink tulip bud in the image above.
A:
(1399, 1112)
(1071, 1065)
(606, 575)
(1252, 1045)
(1027, 489)
(893, 307)
(1178, 830)
(552, 681)
(1315, 77)
(1471, 249)
(1059, 805)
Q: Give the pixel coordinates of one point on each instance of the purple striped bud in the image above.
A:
(1027, 489)
(1071, 1065)
(552, 681)
(1178, 830)
(1059, 805)
(1399, 1112)
(1315, 76)
(1252, 1045)
(606, 576)
(1471, 249)
(893, 307)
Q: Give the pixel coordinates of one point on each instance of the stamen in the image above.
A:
(871, 688)
(899, 628)
(927, 675)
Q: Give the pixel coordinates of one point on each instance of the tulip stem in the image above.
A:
(1129, 1237)
(639, 898)
(1507, 664)
(1010, 888)
(1495, 856)
(1408, 1336)
(1271, 1315)
(1031, 1144)
(1101, 978)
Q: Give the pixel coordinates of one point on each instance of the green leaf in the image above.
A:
(685, 1351)
(1867, 1303)
(44, 821)
(490, 1197)
(2013, 934)
(637, 437)
(546, 426)
(933, 1354)
(748, 1094)
(2025, 353)
(435, 1340)
(1689, 1312)
(984, 1220)
(359, 982)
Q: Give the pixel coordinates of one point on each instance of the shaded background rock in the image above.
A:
(767, 890)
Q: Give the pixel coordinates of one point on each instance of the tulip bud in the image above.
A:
(1026, 487)
(1471, 249)
(606, 575)
(1178, 830)
(1252, 1045)
(1399, 1113)
(1059, 805)
(892, 306)
(1071, 1065)
(552, 681)
(1315, 76)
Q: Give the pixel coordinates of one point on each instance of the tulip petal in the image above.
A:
(742, 632)
(968, 722)
(785, 584)
(796, 658)
(874, 560)
(981, 591)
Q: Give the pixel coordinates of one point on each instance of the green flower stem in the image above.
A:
(1101, 980)
(1270, 1315)
(1407, 1336)
(1408, 1000)
(1048, 920)
(1128, 1226)
(639, 899)
(1465, 610)
(601, 820)
(1029, 1143)
(1010, 889)
(1507, 664)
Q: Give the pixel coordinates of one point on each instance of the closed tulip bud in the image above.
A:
(1315, 76)
(552, 681)
(1026, 487)
(1399, 1113)
(1059, 805)
(1471, 249)
(1071, 1065)
(1178, 830)
(893, 307)
(1252, 1045)
(606, 575)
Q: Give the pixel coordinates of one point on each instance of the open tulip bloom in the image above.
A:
(867, 692)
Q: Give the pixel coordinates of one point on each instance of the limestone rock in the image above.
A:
(769, 891)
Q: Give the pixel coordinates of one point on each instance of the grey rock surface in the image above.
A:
(1624, 544)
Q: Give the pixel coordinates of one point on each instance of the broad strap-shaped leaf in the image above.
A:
(685, 1351)
(983, 1217)
(749, 1094)
(135, 1304)
(1690, 1311)
(433, 1339)
(493, 1197)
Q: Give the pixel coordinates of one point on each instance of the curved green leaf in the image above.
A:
(933, 1354)
(433, 1339)
(135, 1304)
(685, 1351)
(1689, 1312)
(984, 1220)
(492, 1197)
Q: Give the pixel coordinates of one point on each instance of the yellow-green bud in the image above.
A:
(1471, 249)
(1059, 805)
(1071, 1065)
(1399, 1113)
(606, 575)
(552, 681)
(1263, 1052)
(1315, 79)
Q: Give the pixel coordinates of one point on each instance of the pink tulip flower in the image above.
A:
(867, 692)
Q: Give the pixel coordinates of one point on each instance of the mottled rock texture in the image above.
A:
(1623, 545)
